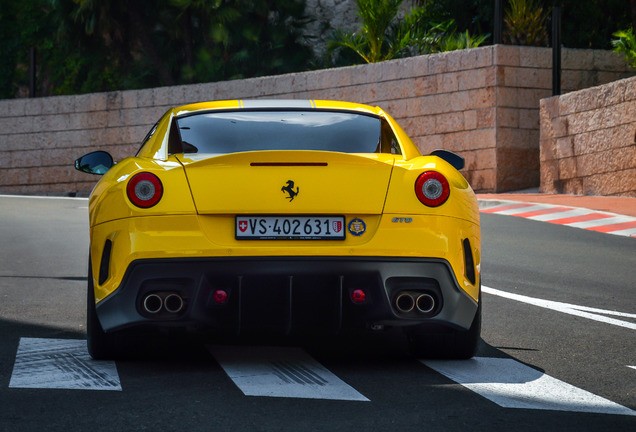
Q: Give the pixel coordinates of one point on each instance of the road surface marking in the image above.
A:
(633, 367)
(61, 364)
(43, 197)
(559, 215)
(591, 220)
(549, 213)
(281, 372)
(511, 384)
(512, 209)
(581, 311)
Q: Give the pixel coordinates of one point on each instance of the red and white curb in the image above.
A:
(591, 220)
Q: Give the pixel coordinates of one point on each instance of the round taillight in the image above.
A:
(144, 190)
(220, 297)
(432, 189)
(358, 296)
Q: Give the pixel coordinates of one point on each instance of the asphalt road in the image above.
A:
(572, 328)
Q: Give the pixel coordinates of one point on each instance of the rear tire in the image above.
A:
(101, 345)
(453, 344)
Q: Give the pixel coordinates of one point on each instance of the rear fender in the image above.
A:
(109, 200)
(401, 198)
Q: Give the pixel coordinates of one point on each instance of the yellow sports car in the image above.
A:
(283, 217)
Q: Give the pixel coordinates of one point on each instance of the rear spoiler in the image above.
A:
(452, 158)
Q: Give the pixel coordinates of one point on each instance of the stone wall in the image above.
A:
(327, 16)
(588, 141)
(482, 103)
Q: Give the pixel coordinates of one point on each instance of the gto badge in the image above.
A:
(401, 220)
(357, 227)
(290, 190)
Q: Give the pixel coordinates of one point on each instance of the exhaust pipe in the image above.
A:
(173, 303)
(153, 303)
(425, 303)
(405, 303)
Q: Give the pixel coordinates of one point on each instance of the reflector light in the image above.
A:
(358, 296)
(220, 297)
(432, 189)
(144, 190)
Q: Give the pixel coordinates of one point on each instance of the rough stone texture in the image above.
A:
(482, 103)
(327, 16)
(588, 141)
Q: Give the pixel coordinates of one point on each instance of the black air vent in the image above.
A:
(104, 267)
(469, 262)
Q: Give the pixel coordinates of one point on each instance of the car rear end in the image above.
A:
(240, 228)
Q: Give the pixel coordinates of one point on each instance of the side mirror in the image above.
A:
(97, 162)
(452, 158)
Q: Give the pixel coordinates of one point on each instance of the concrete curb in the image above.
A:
(575, 217)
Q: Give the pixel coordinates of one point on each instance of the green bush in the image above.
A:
(384, 36)
(626, 45)
(90, 46)
(461, 40)
(525, 23)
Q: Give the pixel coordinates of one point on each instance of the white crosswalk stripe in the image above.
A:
(511, 384)
(61, 364)
(292, 373)
(281, 372)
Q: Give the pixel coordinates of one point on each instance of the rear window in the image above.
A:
(242, 131)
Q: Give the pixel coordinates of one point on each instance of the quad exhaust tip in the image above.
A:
(173, 303)
(153, 303)
(406, 302)
(425, 303)
(170, 302)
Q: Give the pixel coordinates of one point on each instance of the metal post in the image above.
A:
(556, 50)
(32, 67)
(498, 31)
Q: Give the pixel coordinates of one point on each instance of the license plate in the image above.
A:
(290, 228)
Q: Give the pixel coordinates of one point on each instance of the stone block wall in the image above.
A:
(482, 103)
(588, 141)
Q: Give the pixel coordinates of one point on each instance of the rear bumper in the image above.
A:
(286, 294)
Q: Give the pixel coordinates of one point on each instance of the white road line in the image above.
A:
(631, 232)
(601, 222)
(581, 311)
(528, 208)
(43, 197)
(61, 364)
(281, 372)
(511, 384)
(559, 215)
(603, 311)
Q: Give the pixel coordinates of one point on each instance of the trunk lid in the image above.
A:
(288, 182)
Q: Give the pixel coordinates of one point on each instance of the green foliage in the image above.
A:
(590, 23)
(384, 36)
(462, 40)
(626, 45)
(476, 16)
(21, 25)
(525, 23)
(96, 45)
(101, 45)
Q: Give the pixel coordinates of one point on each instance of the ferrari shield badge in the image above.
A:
(357, 227)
